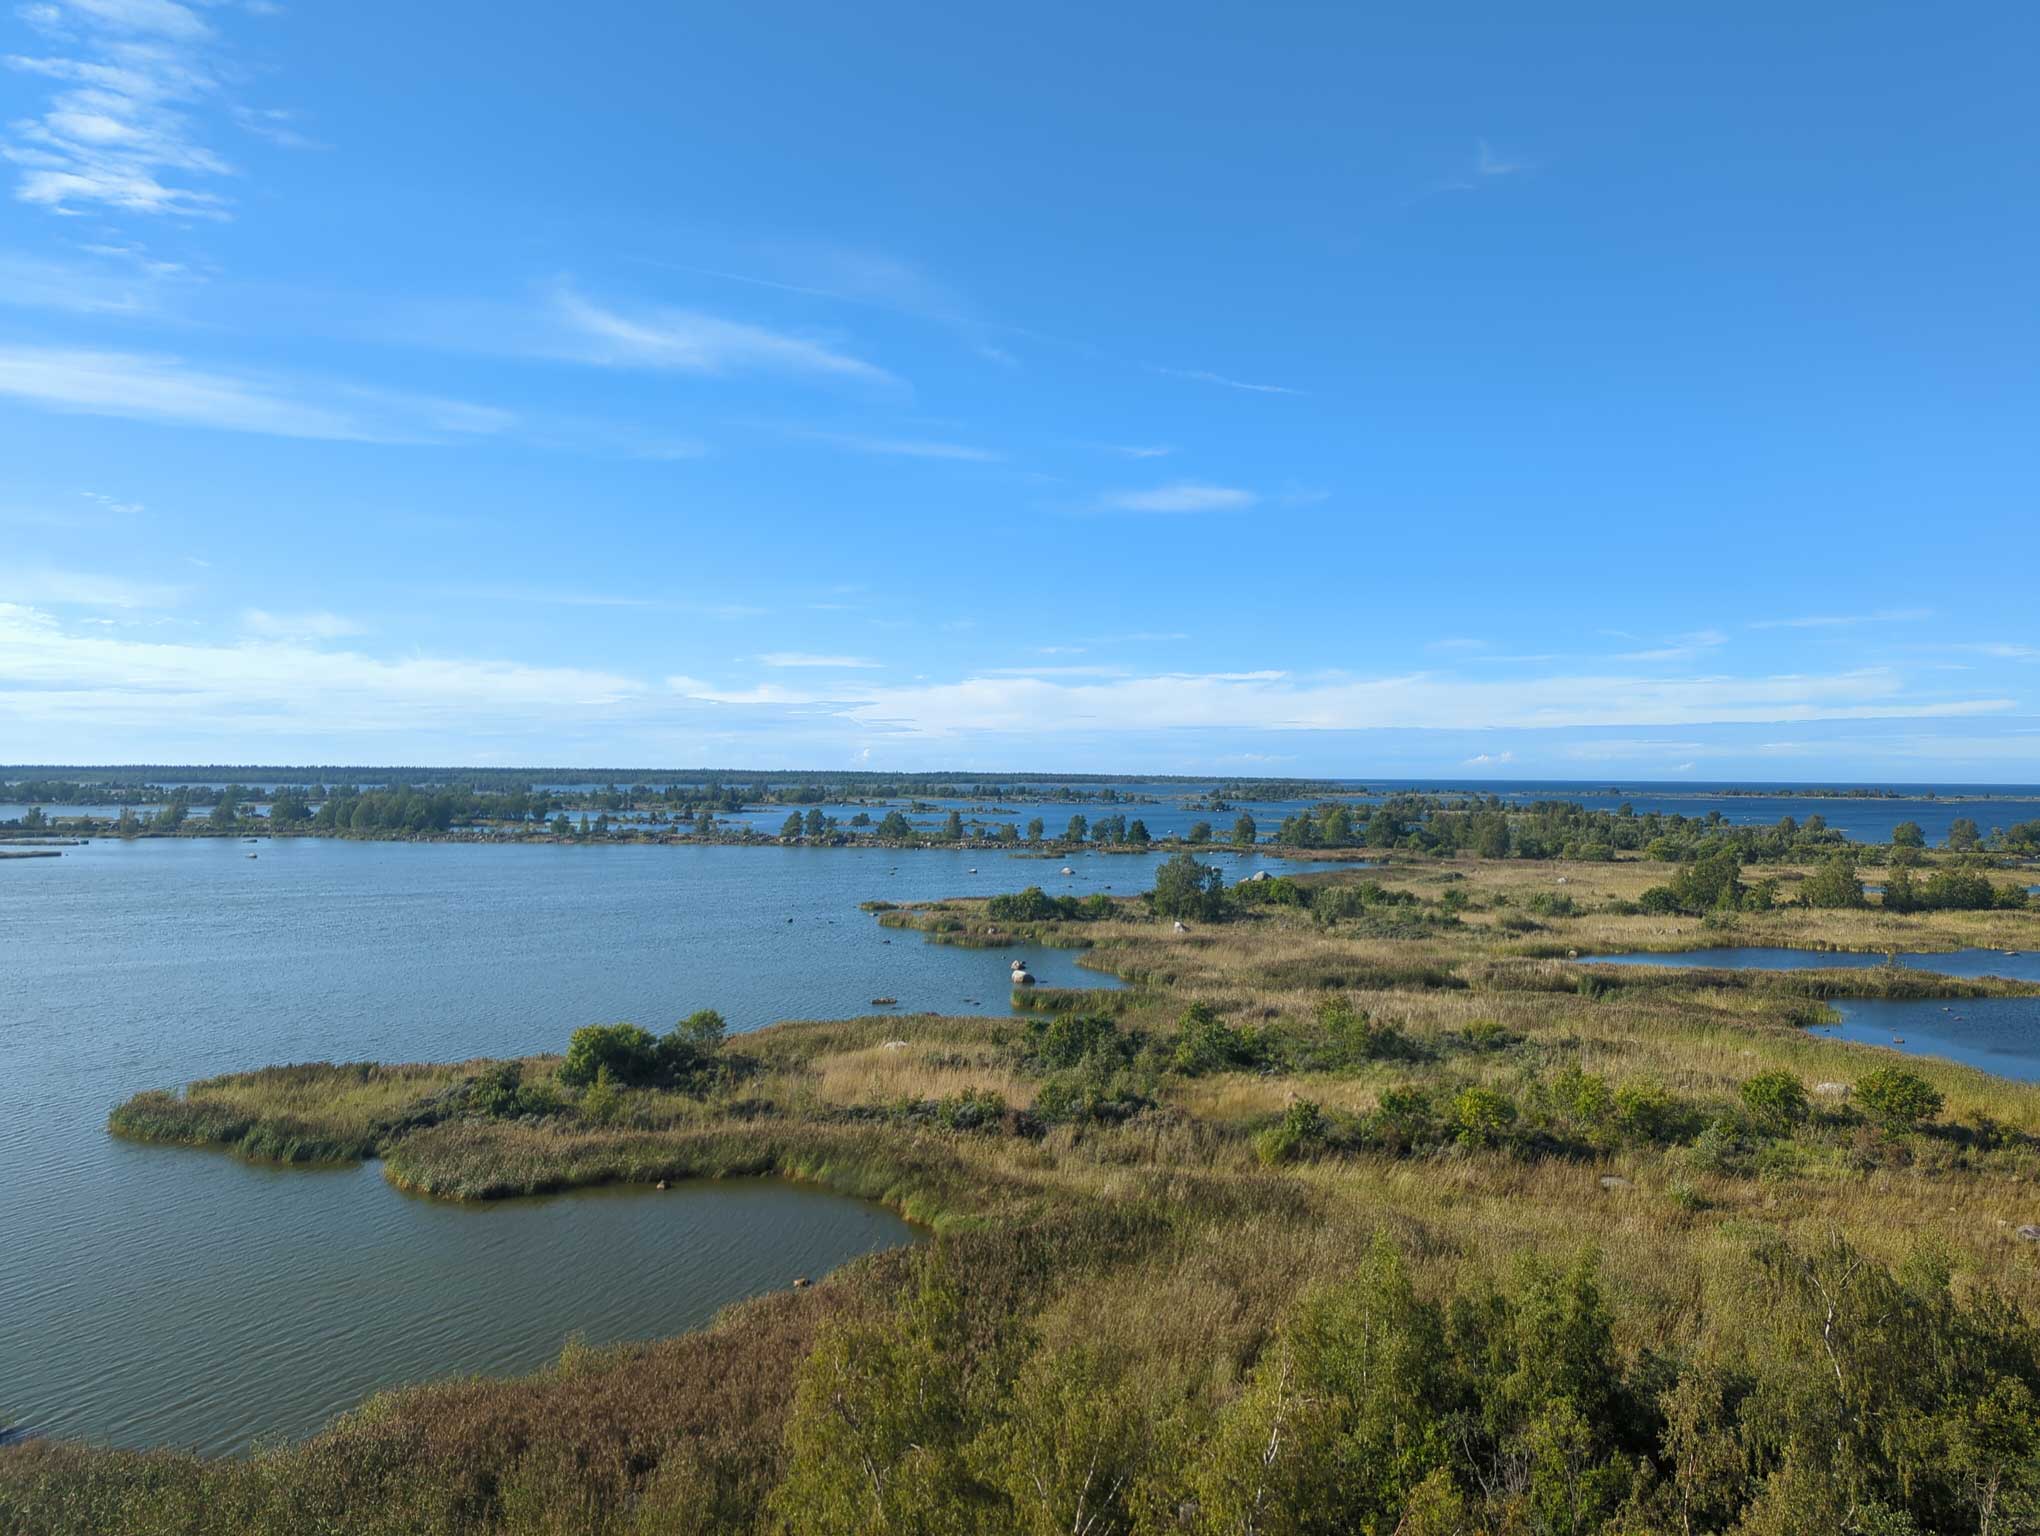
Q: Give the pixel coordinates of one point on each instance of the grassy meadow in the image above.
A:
(1379, 1211)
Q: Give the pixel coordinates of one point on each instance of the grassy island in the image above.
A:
(1370, 1206)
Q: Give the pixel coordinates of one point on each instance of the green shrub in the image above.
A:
(1649, 1112)
(1303, 1129)
(974, 1109)
(1776, 1098)
(1897, 1099)
(1481, 1117)
(627, 1053)
(1405, 1119)
(1206, 1043)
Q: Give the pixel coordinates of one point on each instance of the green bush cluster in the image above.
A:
(1034, 905)
(627, 1056)
(1844, 1397)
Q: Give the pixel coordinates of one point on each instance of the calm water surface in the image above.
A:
(159, 1297)
(1996, 1034)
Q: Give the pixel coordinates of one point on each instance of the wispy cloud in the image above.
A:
(1490, 759)
(2003, 650)
(1457, 644)
(1093, 669)
(114, 504)
(570, 597)
(1206, 376)
(1183, 496)
(689, 341)
(84, 589)
(1033, 702)
(1141, 451)
(82, 686)
(811, 659)
(907, 447)
(298, 626)
(874, 279)
(87, 288)
(157, 388)
(1488, 163)
(118, 132)
(1846, 620)
(70, 685)
(275, 125)
(1682, 648)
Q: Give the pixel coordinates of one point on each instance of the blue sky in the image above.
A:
(1569, 391)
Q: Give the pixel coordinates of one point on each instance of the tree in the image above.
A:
(1200, 833)
(1186, 888)
(895, 828)
(1963, 834)
(952, 827)
(1833, 885)
(1074, 1440)
(1074, 832)
(815, 823)
(1137, 833)
(627, 1053)
(1897, 1099)
(691, 1046)
(1711, 882)
(1907, 834)
(1244, 831)
(873, 1441)
(1034, 830)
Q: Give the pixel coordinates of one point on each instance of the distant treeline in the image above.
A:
(1490, 828)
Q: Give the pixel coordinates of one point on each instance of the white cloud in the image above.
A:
(1275, 701)
(118, 132)
(2003, 650)
(810, 659)
(1845, 620)
(86, 689)
(113, 504)
(1205, 376)
(907, 448)
(1683, 648)
(692, 342)
(1183, 496)
(1136, 451)
(273, 124)
(1488, 163)
(298, 626)
(85, 589)
(1490, 759)
(59, 684)
(28, 282)
(158, 388)
(1066, 670)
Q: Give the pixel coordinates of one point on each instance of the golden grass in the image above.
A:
(888, 1074)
